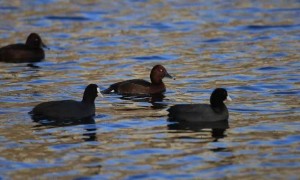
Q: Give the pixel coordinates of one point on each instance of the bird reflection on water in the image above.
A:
(218, 128)
(155, 99)
(89, 126)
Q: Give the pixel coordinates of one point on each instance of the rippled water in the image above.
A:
(249, 47)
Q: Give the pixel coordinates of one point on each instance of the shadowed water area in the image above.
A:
(251, 48)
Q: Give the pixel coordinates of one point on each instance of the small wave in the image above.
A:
(67, 18)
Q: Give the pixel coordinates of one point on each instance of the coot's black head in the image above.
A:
(158, 72)
(34, 40)
(90, 93)
(218, 97)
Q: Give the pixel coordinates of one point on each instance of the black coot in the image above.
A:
(215, 111)
(68, 109)
(31, 51)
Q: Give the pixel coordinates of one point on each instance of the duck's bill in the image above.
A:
(99, 92)
(169, 76)
(228, 98)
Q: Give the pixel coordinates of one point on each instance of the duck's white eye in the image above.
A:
(161, 70)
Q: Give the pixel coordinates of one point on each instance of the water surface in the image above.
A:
(251, 48)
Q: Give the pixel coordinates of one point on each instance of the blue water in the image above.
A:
(251, 48)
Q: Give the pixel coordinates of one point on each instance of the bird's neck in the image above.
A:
(215, 102)
(156, 80)
(88, 99)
